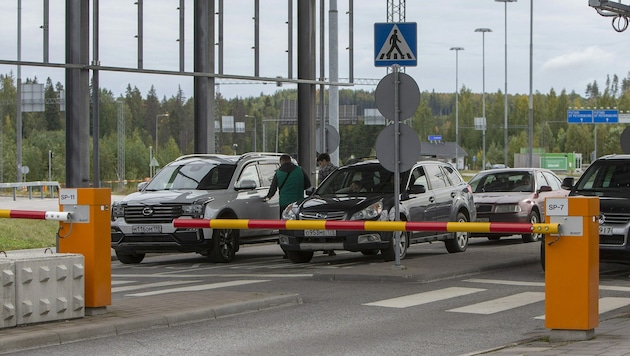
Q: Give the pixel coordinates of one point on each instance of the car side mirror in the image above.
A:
(309, 191)
(567, 183)
(246, 184)
(417, 189)
(545, 188)
(142, 185)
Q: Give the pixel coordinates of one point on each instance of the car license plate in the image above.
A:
(316, 233)
(605, 230)
(146, 229)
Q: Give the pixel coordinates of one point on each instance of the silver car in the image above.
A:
(201, 186)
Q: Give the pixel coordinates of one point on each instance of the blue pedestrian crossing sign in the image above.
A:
(395, 43)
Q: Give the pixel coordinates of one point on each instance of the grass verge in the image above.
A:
(19, 234)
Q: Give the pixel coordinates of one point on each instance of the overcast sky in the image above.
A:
(572, 44)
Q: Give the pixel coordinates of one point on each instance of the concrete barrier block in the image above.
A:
(7, 293)
(44, 287)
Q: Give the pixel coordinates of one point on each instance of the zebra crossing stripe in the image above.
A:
(150, 285)
(197, 288)
(606, 304)
(502, 304)
(424, 298)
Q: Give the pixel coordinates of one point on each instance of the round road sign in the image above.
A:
(408, 96)
(385, 148)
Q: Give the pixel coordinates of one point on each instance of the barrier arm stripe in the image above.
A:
(35, 215)
(516, 228)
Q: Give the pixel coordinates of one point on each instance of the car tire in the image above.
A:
(389, 253)
(129, 257)
(460, 242)
(224, 245)
(300, 256)
(534, 218)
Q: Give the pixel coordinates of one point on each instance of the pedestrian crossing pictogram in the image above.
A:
(395, 43)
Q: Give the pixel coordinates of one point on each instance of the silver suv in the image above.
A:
(201, 186)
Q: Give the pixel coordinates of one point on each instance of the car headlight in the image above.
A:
(194, 209)
(507, 208)
(118, 210)
(369, 213)
(290, 212)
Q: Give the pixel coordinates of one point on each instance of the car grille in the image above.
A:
(156, 214)
(484, 208)
(617, 240)
(333, 215)
(617, 219)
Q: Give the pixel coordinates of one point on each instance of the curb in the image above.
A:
(116, 323)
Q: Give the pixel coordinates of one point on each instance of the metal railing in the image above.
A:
(28, 186)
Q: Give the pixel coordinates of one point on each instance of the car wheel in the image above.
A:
(300, 256)
(389, 254)
(534, 218)
(460, 242)
(129, 257)
(370, 252)
(224, 243)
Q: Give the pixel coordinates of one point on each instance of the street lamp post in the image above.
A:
(255, 131)
(457, 49)
(505, 95)
(157, 118)
(483, 96)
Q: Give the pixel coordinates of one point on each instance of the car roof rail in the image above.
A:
(202, 155)
(259, 154)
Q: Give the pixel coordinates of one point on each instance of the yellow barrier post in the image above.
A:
(572, 268)
(88, 233)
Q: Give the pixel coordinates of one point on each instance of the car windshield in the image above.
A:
(514, 181)
(606, 175)
(192, 176)
(358, 179)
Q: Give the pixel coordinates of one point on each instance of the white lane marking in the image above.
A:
(502, 304)
(504, 282)
(537, 284)
(197, 288)
(115, 283)
(227, 275)
(151, 285)
(606, 304)
(424, 298)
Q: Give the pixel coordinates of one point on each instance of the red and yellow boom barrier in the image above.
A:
(516, 228)
(36, 215)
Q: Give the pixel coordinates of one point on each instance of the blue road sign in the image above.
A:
(395, 43)
(593, 116)
(435, 137)
(605, 116)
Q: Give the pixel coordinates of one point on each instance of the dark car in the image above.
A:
(429, 191)
(609, 179)
(202, 186)
(514, 195)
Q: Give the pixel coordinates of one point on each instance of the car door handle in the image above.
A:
(432, 199)
(453, 195)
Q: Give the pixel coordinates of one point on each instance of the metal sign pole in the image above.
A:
(395, 69)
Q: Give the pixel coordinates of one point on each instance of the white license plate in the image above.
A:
(146, 229)
(316, 233)
(605, 230)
